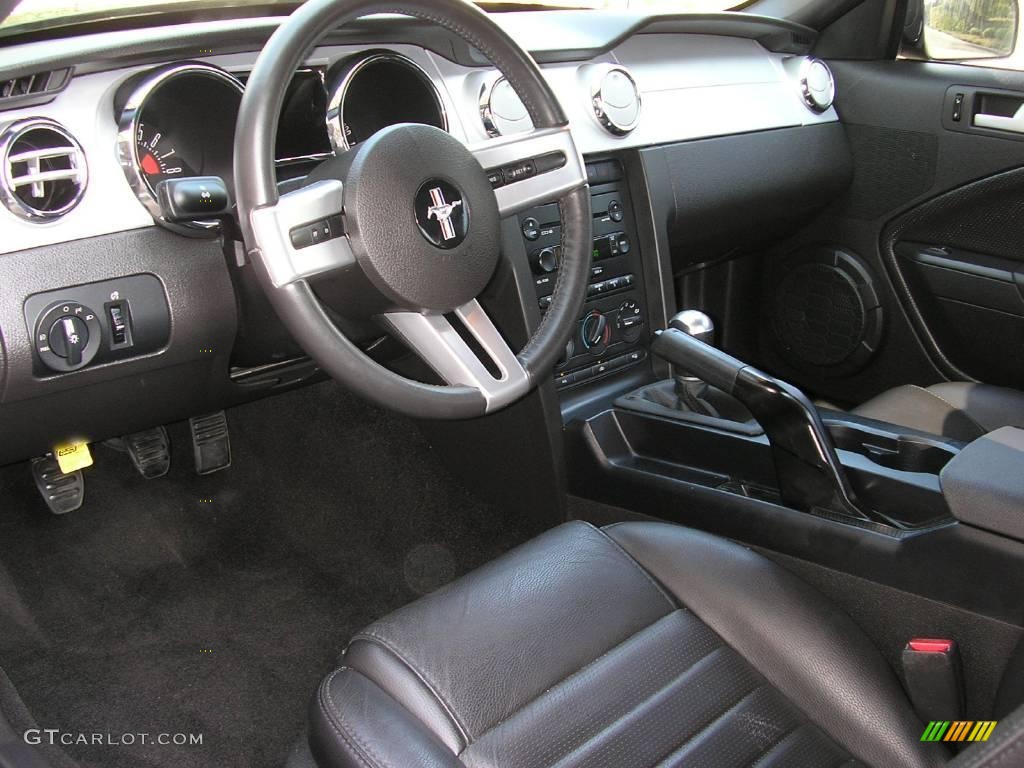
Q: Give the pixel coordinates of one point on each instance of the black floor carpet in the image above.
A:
(213, 605)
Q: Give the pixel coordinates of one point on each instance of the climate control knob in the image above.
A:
(595, 332)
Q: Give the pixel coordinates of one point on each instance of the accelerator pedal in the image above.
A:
(62, 492)
(211, 442)
(150, 452)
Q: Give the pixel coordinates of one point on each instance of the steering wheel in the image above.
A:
(412, 217)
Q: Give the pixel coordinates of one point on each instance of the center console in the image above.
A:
(611, 334)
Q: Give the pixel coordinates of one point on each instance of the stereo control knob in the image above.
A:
(545, 260)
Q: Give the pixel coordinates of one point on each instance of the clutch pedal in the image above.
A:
(62, 492)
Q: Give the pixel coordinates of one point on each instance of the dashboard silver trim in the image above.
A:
(79, 171)
(336, 100)
(128, 125)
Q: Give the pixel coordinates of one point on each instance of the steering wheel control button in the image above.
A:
(442, 213)
(67, 336)
(531, 228)
(615, 211)
(496, 177)
(317, 232)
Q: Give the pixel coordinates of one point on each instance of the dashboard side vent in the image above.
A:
(36, 88)
(43, 172)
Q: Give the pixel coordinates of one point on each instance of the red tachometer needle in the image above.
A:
(149, 165)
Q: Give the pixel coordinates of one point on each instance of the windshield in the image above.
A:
(43, 14)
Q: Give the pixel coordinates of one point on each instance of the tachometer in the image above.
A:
(177, 121)
(158, 156)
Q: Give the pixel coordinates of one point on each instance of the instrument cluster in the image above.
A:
(179, 120)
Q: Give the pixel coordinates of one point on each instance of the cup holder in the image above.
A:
(899, 452)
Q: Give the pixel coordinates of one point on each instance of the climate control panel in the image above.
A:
(611, 334)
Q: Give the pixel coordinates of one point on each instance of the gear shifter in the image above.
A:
(809, 473)
(691, 390)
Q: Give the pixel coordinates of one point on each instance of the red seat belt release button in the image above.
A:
(934, 678)
(931, 645)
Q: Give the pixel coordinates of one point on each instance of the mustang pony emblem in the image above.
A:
(442, 212)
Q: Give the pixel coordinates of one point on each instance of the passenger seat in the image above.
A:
(958, 410)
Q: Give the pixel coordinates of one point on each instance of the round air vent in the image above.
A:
(501, 110)
(826, 312)
(44, 173)
(817, 85)
(616, 100)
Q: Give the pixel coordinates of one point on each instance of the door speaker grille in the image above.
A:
(826, 311)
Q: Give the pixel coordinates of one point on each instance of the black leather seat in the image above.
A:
(958, 410)
(637, 645)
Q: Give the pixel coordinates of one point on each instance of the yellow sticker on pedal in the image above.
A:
(73, 457)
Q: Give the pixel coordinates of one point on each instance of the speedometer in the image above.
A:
(177, 121)
(377, 89)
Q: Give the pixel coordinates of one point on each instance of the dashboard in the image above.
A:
(659, 88)
(170, 322)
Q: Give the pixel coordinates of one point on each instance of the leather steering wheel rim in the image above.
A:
(294, 300)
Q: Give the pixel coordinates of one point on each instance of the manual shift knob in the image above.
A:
(696, 324)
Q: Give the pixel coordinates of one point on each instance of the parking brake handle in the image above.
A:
(809, 473)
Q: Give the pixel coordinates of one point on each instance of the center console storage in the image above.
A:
(841, 467)
(984, 485)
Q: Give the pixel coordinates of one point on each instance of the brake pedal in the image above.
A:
(62, 493)
(211, 442)
(150, 452)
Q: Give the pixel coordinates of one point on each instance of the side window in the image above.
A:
(980, 32)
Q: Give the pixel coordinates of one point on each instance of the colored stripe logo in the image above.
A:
(959, 730)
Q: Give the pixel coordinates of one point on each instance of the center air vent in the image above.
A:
(44, 172)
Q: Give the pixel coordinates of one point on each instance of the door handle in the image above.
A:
(1013, 124)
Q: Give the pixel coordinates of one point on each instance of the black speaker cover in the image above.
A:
(826, 313)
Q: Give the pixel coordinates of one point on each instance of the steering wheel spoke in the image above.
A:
(500, 378)
(302, 235)
(531, 168)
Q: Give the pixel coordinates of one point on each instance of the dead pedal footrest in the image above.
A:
(211, 442)
(62, 493)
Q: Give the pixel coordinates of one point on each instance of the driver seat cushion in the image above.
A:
(958, 410)
(639, 644)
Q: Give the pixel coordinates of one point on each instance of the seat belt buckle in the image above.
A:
(934, 678)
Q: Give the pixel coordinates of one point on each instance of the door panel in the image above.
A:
(921, 181)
